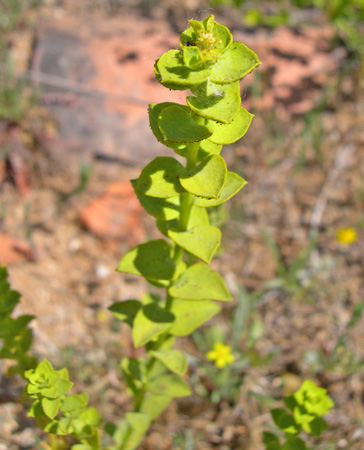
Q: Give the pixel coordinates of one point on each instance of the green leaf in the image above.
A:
(60, 426)
(313, 398)
(192, 57)
(208, 148)
(154, 404)
(356, 315)
(161, 208)
(234, 64)
(207, 179)
(154, 111)
(198, 217)
(181, 148)
(174, 360)
(169, 385)
(315, 427)
(294, 443)
(273, 446)
(232, 186)
(8, 300)
(150, 260)
(126, 310)
(220, 33)
(232, 131)
(191, 314)
(202, 241)
(36, 409)
(51, 406)
(217, 102)
(139, 423)
(199, 282)
(172, 72)
(81, 447)
(73, 402)
(11, 327)
(290, 402)
(160, 178)
(285, 421)
(91, 416)
(59, 386)
(177, 125)
(134, 373)
(150, 322)
(268, 438)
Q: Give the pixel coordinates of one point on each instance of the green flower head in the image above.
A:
(313, 398)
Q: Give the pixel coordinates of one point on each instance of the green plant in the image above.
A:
(60, 414)
(210, 64)
(84, 175)
(342, 360)
(16, 95)
(296, 278)
(229, 364)
(305, 409)
(12, 11)
(15, 334)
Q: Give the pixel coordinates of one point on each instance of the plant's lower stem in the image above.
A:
(186, 205)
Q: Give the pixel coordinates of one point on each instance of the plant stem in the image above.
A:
(187, 201)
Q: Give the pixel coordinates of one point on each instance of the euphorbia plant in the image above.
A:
(210, 64)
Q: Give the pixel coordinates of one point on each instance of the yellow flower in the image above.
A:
(346, 236)
(221, 355)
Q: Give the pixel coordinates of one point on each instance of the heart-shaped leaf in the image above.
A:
(192, 57)
(202, 241)
(174, 360)
(233, 184)
(126, 310)
(177, 125)
(207, 179)
(51, 406)
(231, 132)
(161, 208)
(160, 178)
(191, 314)
(171, 71)
(150, 260)
(150, 322)
(235, 63)
(199, 282)
(154, 404)
(169, 385)
(216, 102)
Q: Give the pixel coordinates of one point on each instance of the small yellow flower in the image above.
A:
(346, 236)
(221, 355)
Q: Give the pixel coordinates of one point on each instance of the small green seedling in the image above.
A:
(342, 360)
(58, 413)
(297, 279)
(304, 411)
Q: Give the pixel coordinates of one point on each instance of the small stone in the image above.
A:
(102, 271)
(13, 251)
(115, 214)
(74, 245)
(342, 443)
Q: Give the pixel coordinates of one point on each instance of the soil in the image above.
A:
(62, 244)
